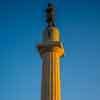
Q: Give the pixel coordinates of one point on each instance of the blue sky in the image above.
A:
(21, 26)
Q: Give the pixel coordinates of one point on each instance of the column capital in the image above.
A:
(52, 46)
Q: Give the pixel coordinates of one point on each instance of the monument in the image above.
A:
(51, 50)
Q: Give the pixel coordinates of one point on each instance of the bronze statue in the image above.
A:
(50, 15)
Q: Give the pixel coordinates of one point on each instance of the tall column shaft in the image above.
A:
(50, 76)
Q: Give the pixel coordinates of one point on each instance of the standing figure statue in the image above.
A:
(50, 14)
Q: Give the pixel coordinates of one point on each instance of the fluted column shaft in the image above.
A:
(50, 89)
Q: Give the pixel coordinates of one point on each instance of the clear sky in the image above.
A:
(21, 27)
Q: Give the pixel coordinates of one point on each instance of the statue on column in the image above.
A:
(50, 15)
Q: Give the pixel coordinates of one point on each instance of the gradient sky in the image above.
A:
(21, 27)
